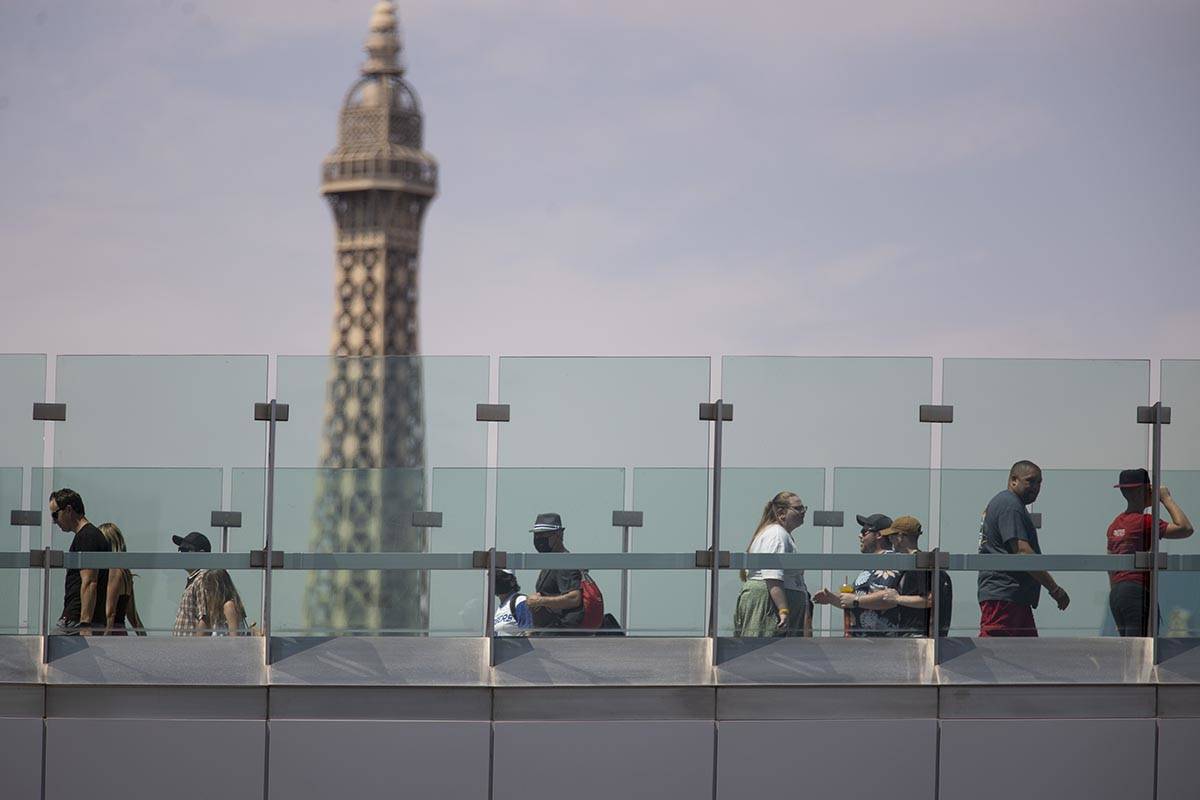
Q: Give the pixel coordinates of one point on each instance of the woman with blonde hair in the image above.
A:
(119, 602)
(774, 602)
(224, 610)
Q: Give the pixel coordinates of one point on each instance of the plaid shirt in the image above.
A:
(192, 607)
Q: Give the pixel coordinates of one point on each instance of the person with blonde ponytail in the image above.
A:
(118, 602)
(773, 602)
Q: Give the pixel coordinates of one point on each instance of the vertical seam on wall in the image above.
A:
(716, 733)
(44, 743)
(937, 747)
(492, 745)
(267, 748)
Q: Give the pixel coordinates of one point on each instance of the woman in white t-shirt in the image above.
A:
(774, 602)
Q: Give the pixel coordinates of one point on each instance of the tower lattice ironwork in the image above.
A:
(379, 181)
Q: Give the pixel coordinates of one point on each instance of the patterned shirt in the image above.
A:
(193, 605)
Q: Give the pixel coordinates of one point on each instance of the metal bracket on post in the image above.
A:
(828, 519)
(944, 415)
(225, 520)
(1156, 415)
(493, 412)
(626, 520)
(49, 412)
(271, 413)
(427, 519)
(46, 558)
(717, 413)
(1146, 560)
(258, 559)
(704, 559)
(25, 519)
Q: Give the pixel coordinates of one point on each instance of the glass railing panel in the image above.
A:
(1180, 384)
(826, 411)
(24, 380)
(866, 491)
(1179, 590)
(1076, 508)
(20, 589)
(675, 515)
(1077, 414)
(148, 507)
(160, 411)
(364, 512)
(745, 491)
(334, 401)
(584, 498)
(604, 412)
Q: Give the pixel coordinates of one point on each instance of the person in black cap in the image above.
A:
(557, 601)
(1129, 592)
(210, 603)
(871, 607)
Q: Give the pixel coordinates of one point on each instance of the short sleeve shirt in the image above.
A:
(1130, 533)
(88, 539)
(869, 622)
(775, 539)
(558, 582)
(1005, 521)
(512, 616)
(913, 621)
(192, 606)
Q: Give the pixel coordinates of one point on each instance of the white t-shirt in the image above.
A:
(774, 539)
(512, 622)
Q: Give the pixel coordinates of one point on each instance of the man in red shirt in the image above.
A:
(1129, 594)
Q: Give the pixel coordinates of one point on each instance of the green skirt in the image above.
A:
(755, 614)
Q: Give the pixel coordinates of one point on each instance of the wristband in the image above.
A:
(782, 611)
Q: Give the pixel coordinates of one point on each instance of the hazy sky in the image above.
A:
(679, 176)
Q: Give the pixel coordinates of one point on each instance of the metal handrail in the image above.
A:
(968, 562)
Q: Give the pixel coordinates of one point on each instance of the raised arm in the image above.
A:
(1180, 526)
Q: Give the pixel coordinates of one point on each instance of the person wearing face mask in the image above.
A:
(557, 602)
(773, 602)
(1007, 599)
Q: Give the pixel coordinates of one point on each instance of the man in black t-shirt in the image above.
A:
(84, 590)
(557, 602)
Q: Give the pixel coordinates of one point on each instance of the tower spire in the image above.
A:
(383, 41)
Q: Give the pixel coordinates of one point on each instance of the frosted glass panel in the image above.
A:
(450, 387)
(604, 412)
(674, 503)
(24, 380)
(1181, 391)
(826, 412)
(1055, 412)
(160, 411)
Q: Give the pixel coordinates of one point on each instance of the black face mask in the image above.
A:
(542, 544)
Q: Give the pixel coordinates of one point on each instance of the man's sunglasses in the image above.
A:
(54, 515)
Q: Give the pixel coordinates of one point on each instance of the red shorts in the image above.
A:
(1005, 618)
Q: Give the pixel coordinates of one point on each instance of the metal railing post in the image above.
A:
(271, 413)
(944, 415)
(717, 413)
(1155, 516)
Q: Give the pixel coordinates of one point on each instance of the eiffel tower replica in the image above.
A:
(378, 181)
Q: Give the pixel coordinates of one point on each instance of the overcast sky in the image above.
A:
(670, 176)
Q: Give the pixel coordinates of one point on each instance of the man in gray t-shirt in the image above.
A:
(1007, 599)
